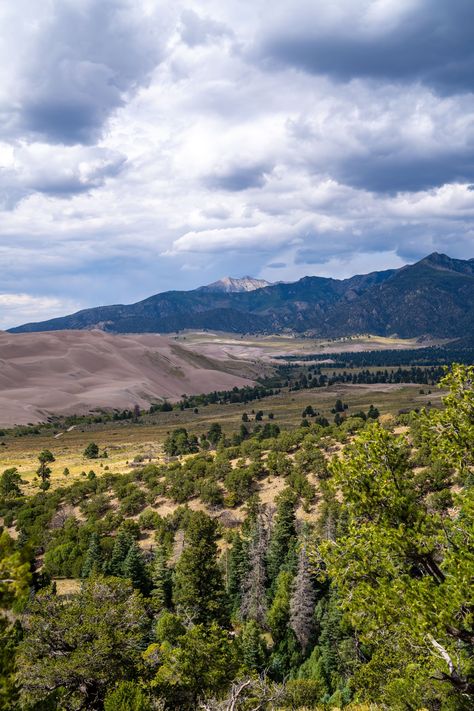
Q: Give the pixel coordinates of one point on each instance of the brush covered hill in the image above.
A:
(433, 297)
(78, 371)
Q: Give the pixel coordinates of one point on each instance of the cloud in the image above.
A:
(81, 61)
(22, 308)
(239, 177)
(196, 30)
(147, 146)
(56, 171)
(428, 41)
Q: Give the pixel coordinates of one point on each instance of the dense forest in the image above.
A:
(353, 588)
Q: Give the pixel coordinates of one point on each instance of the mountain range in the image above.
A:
(434, 297)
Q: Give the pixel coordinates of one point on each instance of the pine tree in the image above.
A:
(302, 602)
(45, 457)
(285, 652)
(159, 575)
(283, 538)
(238, 563)
(122, 543)
(135, 570)
(92, 561)
(254, 604)
(198, 590)
(252, 645)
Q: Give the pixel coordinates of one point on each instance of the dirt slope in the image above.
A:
(75, 371)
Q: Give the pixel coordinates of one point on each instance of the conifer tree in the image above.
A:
(283, 538)
(93, 559)
(285, 653)
(45, 457)
(198, 588)
(135, 570)
(252, 645)
(238, 563)
(302, 601)
(159, 579)
(254, 604)
(122, 543)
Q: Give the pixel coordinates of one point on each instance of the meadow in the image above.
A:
(128, 441)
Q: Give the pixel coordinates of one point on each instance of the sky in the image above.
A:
(152, 145)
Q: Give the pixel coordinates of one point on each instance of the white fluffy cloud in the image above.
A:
(149, 146)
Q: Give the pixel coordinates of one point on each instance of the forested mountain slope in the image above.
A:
(350, 587)
(433, 297)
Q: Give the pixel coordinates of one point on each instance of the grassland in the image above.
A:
(125, 441)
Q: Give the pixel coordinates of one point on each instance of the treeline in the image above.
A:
(313, 377)
(219, 397)
(430, 356)
(367, 600)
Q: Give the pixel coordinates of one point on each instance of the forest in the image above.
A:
(351, 588)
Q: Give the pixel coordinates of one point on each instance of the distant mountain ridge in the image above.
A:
(434, 296)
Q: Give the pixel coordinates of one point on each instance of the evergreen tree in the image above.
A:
(198, 590)
(160, 579)
(127, 696)
(74, 650)
(238, 563)
(45, 457)
(253, 649)
(135, 570)
(92, 561)
(91, 451)
(285, 654)
(254, 604)
(302, 601)
(283, 538)
(10, 482)
(122, 543)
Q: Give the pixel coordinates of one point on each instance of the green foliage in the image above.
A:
(253, 650)
(282, 542)
(198, 589)
(45, 457)
(122, 543)
(127, 696)
(82, 646)
(10, 636)
(180, 442)
(396, 548)
(15, 576)
(91, 451)
(93, 561)
(160, 579)
(238, 483)
(214, 433)
(10, 482)
(135, 570)
(201, 661)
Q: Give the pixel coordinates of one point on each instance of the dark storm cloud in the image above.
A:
(432, 44)
(82, 66)
(238, 178)
(394, 172)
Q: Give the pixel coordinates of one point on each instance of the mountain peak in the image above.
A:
(229, 285)
(442, 261)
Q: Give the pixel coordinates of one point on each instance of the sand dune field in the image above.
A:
(64, 372)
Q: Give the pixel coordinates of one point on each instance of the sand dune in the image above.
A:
(62, 372)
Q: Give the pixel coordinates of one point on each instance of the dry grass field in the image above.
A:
(125, 441)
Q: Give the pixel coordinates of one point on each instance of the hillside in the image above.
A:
(433, 297)
(74, 372)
